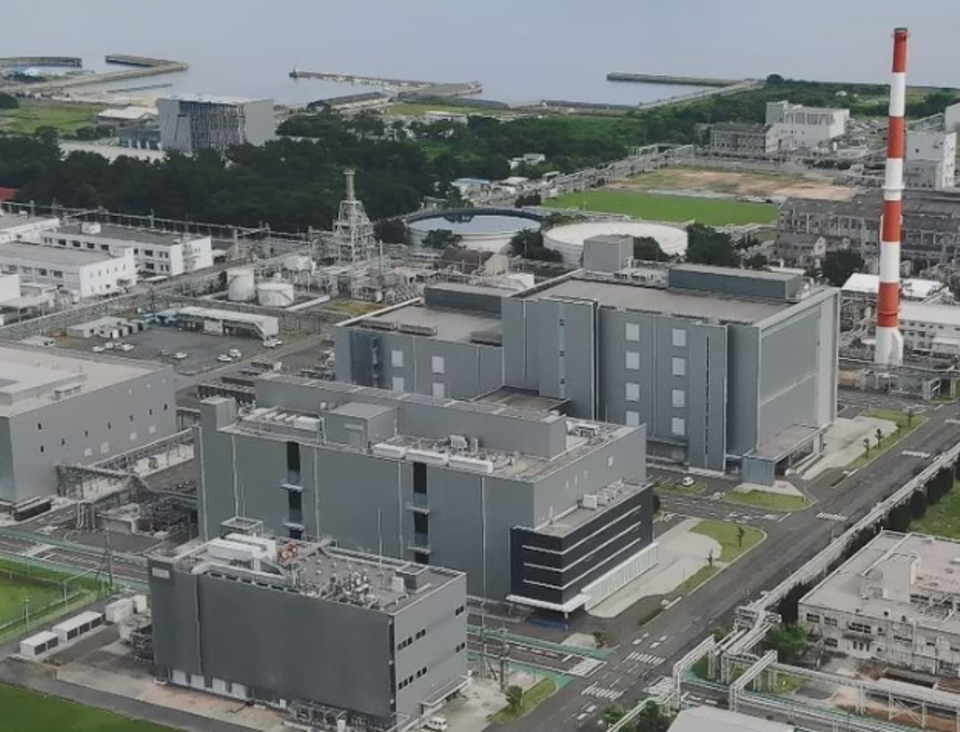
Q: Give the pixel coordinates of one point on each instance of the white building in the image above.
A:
(156, 253)
(710, 719)
(931, 159)
(77, 271)
(190, 123)
(798, 126)
(14, 226)
(933, 329)
(894, 601)
(868, 285)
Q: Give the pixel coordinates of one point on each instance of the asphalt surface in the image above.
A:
(646, 654)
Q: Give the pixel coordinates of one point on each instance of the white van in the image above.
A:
(437, 724)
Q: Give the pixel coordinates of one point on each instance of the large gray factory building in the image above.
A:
(63, 407)
(536, 508)
(725, 367)
(324, 632)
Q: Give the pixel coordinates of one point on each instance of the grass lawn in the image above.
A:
(943, 519)
(697, 579)
(726, 534)
(532, 697)
(32, 114)
(901, 419)
(771, 501)
(13, 592)
(675, 486)
(354, 308)
(24, 711)
(713, 212)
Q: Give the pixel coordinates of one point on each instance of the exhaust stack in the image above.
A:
(889, 348)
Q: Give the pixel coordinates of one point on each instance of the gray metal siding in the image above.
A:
(514, 325)
(705, 386)
(567, 337)
(176, 619)
(743, 404)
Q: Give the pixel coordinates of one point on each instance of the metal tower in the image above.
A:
(353, 231)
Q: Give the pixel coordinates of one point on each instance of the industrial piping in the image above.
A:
(889, 348)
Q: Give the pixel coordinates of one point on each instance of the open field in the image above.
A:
(727, 535)
(766, 185)
(24, 711)
(532, 697)
(942, 519)
(15, 591)
(709, 211)
(32, 115)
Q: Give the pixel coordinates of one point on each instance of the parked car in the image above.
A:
(437, 724)
(224, 358)
(109, 345)
(272, 342)
(163, 353)
(179, 355)
(234, 353)
(687, 481)
(98, 349)
(126, 347)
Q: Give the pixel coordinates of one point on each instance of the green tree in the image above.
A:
(756, 261)
(8, 101)
(719, 633)
(391, 231)
(648, 249)
(613, 713)
(741, 533)
(789, 641)
(706, 245)
(653, 718)
(515, 699)
(837, 266)
(600, 638)
(441, 239)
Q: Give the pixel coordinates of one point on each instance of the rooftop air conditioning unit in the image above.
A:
(589, 500)
(458, 442)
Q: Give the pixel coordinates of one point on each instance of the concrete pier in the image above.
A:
(671, 80)
(58, 62)
(139, 67)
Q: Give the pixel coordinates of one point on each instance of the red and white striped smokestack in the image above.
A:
(889, 349)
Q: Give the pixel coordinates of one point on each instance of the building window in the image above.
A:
(678, 398)
(679, 338)
(459, 610)
(397, 384)
(440, 390)
(632, 391)
(832, 622)
(830, 642)
(679, 366)
(678, 426)
(396, 359)
(437, 364)
(633, 332)
(813, 618)
(633, 360)
(632, 419)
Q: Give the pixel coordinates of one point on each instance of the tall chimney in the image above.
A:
(351, 193)
(889, 348)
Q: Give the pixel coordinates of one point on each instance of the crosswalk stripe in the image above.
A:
(585, 667)
(601, 693)
(839, 518)
(952, 420)
(915, 453)
(646, 658)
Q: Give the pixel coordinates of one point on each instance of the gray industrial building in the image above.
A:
(192, 123)
(327, 634)
(931, 225)
(738, 138)
(725, 367)
(62, 407)
(536, 508)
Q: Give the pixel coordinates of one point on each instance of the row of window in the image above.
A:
(678, 365)
(678, 425)
(678, 337)
(438, 364)
(412, 677)
(678, 397)
(408, 641)
(161, 254)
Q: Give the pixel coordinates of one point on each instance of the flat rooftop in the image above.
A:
(918, 312)
(640, 298)
(446, 325)
(211, 99)
(52, 255)
(510, 396)
(35, 377)
(11, 220)
(607, 499)
(129, 235)
(329, 574)
(711, 719)
(903, 565)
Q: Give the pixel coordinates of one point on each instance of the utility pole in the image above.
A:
(109, 560)
(26, 613)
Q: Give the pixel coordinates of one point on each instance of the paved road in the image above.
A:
(790, 542)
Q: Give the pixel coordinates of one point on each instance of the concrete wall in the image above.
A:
(83, 429)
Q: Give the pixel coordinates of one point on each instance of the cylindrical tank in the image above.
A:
(275, 294)
(241, 285)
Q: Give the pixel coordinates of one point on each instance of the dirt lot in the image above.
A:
(766, 185)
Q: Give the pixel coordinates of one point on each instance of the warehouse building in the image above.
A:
(156, 253)
(930, 329)
(80, 272)
(931, 225)
(190, 123)
(797, 126)
(537, 509)
(931, 161)
(322, 632)
(894, 601)
(737, 138)
(221, 322)
(59, 407)
(16, 226)
(727, 368)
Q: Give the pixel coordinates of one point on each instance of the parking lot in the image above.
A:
(201, 349)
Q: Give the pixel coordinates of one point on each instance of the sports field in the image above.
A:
(24, 711)
(709, 211)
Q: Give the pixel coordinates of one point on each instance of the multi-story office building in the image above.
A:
(156, 253)
(80, 272)
(535, 508)
(723, 366)
(60, 407)
(931, 161)
(15, 226)
(894, 601)
(192, 123)
(310, 628)
(734, 138)
(806, 127)
(931, 224)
